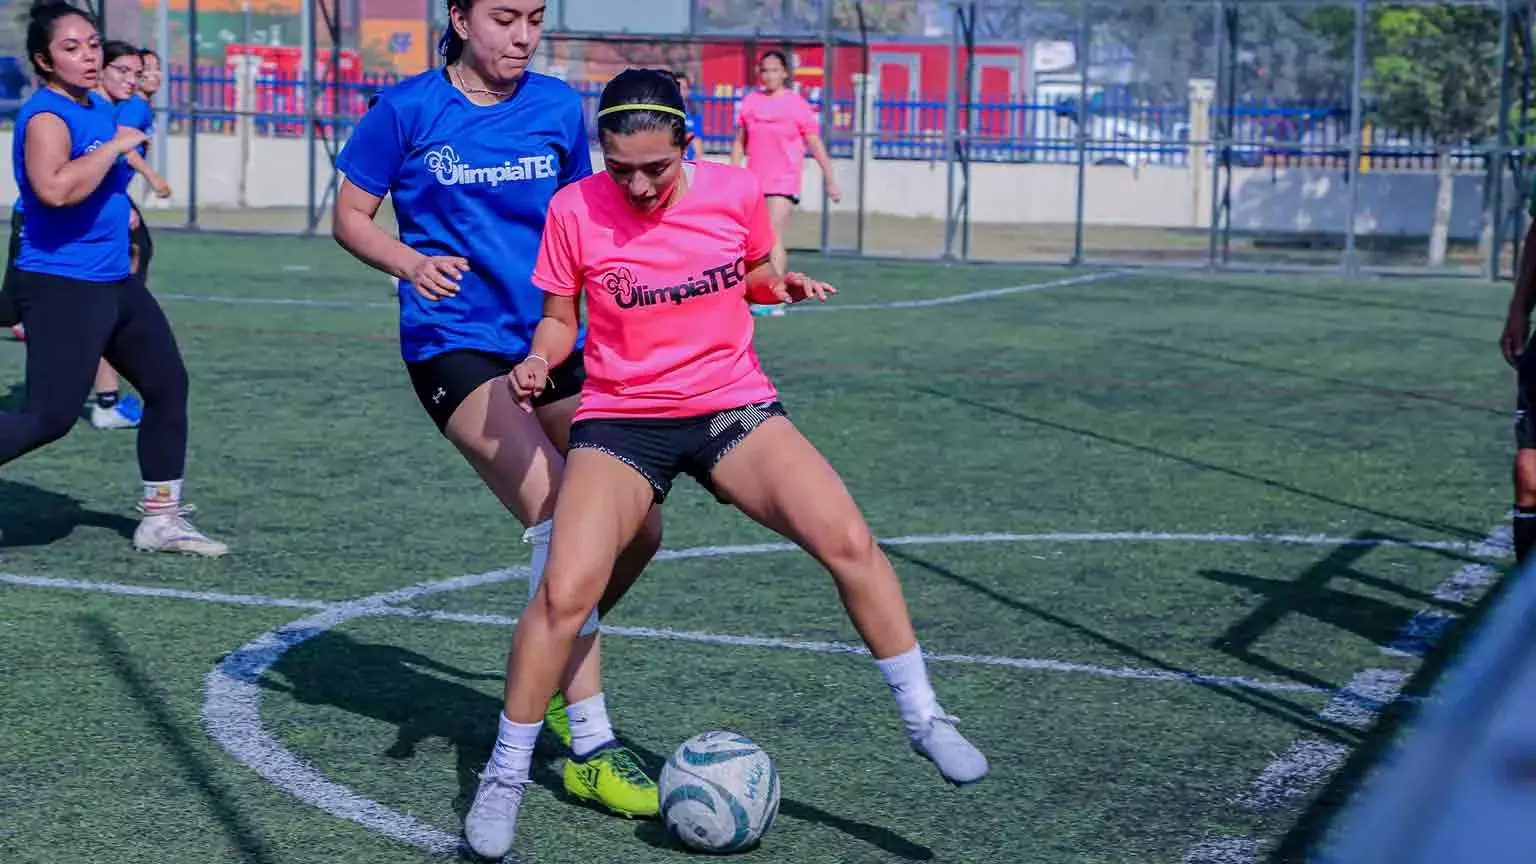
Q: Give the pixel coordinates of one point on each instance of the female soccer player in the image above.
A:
(665, 252)
(119, 86)
(72, 280)
(134, 111)
(149, 85)
(470, 155)
(774, 126)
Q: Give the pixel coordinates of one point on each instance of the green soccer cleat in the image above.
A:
(611, 778)
(556, 722)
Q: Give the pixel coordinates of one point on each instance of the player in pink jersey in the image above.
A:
(774, 126)
(666, 253)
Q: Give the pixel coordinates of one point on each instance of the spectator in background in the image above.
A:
(692, 121)
(774, 127)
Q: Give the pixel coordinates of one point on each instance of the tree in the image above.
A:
(805, 16)
(1433, 70)
(1279, 54)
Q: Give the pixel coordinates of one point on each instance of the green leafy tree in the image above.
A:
(1432, 71)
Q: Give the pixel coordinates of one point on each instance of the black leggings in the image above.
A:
(8, 313)
(70, 326)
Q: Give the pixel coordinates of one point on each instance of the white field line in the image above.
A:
(1309, 760)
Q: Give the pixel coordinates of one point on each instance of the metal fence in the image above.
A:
(1216, 133)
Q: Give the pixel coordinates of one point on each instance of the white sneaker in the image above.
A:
(956, 758)
(491, 823)
(171, 532)
(110, 418)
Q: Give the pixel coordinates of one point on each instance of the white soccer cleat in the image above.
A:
(491, 823)
(171, 532)
(956, 758)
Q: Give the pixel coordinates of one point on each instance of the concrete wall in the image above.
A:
(1279, 201)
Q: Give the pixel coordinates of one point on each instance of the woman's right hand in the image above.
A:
(128, 138)
(528, 379)
(437, 277)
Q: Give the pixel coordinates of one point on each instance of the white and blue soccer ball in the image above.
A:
(719, 792)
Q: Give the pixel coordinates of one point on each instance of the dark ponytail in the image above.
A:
(451, 45)
(643, 87)
(41, 19)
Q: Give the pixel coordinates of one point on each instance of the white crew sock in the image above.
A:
(590, 728)
(907, 676)
(514, 746)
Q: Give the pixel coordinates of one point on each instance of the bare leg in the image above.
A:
(780, 480)
(779, 209)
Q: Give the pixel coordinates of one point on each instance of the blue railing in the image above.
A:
(1262, 133)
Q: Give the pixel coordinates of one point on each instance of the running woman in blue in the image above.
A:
(73, 285)
(125, 71)
(120, 87)
(470, 156)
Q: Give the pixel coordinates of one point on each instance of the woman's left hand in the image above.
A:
(798, 287)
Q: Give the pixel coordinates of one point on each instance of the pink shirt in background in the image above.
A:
(669, 331)
(777, 127)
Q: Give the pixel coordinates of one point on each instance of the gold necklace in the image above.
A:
(499, 94)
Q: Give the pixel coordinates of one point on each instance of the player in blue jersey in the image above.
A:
(470, 156)
(691, 122)
(73, 284)
(121, 72)
(134, 111)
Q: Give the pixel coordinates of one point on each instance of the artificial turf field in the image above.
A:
(1159, 531)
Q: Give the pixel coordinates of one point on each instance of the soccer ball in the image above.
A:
(719, 792)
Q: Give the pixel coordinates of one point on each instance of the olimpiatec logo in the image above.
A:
(629, 293)
(450, 170)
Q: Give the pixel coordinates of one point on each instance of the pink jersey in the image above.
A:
(669, 330)
(777, 127)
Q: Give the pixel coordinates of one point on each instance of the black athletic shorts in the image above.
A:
(662, 448)
(446, 380)
(1525, 399)
(140, 237)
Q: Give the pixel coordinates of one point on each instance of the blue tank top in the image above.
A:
(87, 241)
(136, 111)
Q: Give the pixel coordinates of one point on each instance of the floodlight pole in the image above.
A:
(828, 108)
(1495, 160)
(307, 88)
(163, 95)
(1084, 60)
(968, 100)
(1218, 138)
(1351, 261)
(951, 119)
(193, 114)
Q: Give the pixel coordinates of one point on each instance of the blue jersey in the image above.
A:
(136, 111)
(472, 181)
(693, 124)
(87, 241)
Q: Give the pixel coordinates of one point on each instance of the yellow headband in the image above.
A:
(643, 106)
